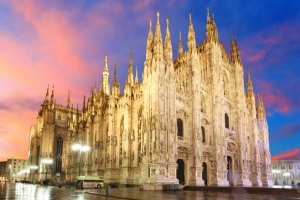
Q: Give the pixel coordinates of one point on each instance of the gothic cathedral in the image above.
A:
(189, 121)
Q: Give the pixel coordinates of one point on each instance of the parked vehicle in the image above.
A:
(84, 182)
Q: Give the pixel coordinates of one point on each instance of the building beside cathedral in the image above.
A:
(188, 121)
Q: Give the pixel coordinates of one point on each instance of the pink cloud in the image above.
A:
(293, 154)
(287, 131)
(15, 137)
(274, 98)
(272, 43)
(259, 55)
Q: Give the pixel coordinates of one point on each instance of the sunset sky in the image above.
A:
(63, 44)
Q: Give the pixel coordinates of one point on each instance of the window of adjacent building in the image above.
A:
(226, 121)
(282, 167)
(290, 167)
(179, 127)
(203, 134)
(59, 117)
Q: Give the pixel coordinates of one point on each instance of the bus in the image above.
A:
(84, 182)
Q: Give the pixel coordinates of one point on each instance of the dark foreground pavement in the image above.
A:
(207, 193)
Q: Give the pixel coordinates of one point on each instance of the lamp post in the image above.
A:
(47, 161)
(276, 172)
(32, 167)
(81, 148)
(287, 174)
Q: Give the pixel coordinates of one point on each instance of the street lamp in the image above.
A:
(287, 174)
(47, 161)
(276, 172)
(81, 148)
(34, 167)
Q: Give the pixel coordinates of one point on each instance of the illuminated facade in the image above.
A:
(14, 170)
(286, 172)
(188, 120)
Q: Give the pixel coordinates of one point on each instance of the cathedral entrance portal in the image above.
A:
(229, 168)
(180, 171)
(204, 173)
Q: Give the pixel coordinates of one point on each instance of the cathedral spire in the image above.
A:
(211, 28)
(158, 45)
(149, 42)
(115, 74)
(52, 95)
(136, 76)
(116, 84)
(234, 51)
(261, 113)
(168, 44)
(68, 100)
(191, 35)
(105, 87)
(83, 104)
(105, 64)
(208, 15)
(129, 79)
(249, 84)
(180, 48)
(47, 94)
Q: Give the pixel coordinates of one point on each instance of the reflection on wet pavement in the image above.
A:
(29, 191)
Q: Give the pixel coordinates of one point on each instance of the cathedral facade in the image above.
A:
(189, 121)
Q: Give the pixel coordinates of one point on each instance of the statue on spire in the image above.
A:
(180, 47)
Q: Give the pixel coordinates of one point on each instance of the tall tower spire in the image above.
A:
(149, 42)
(180, 48)
(116, 84)
(105, 87)
(83, 104)
(52, 95)
(68, 101)
(115, 73)
(158, 45)
(235, 51)
(211, 28)
(249, 84)
(191, 35)
(129, 79)
(168, 44)
(261, 113)
(47, 94)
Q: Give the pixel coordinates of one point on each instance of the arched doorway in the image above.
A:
(204, 173)
(229, 168)
(180, 171)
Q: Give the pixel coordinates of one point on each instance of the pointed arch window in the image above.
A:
(37, 155)
(179, 127)
(59, 151)
(226, 121)
(203, 134)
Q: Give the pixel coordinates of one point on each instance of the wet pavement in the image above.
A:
(29, 191)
